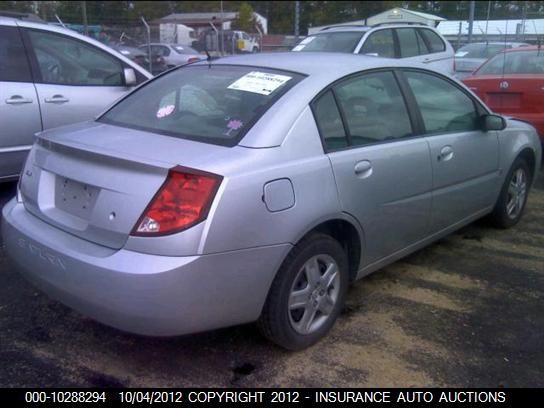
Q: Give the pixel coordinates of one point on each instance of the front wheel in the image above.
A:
(307, 294)
(513, 198)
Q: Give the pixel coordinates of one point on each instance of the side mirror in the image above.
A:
(129, 76)
(493, 122)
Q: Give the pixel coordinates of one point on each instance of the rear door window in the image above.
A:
(409, 43)
(374, 108)
(434, 42)
(329, 122)
(13, 61)
(215, 104)
(380, 43)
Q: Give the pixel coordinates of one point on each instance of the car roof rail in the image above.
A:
(400, 23)
(345, 26)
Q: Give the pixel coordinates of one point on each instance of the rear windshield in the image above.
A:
(215, 104)
(331, 42)
(517, 62)
(184, 50)
(479, 50)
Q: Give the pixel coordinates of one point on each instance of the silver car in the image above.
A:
(411, 42)
(173, 54)
(471, 56)
(49, 77)
(257, 188)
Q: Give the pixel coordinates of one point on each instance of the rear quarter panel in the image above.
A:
(239, 217)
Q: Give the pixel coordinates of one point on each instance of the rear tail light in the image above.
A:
(182, 201)
(192, 59)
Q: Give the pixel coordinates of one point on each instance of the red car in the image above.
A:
(512, 83)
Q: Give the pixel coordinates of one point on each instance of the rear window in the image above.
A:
(184, 50)
(518, 62)
(479, 50)
(216, 104)
(331, 42)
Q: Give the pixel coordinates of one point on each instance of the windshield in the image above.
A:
(216, 104)
(517, 62)
(479, 50)
(340, 41)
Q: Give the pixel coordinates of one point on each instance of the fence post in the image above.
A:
(148, 30)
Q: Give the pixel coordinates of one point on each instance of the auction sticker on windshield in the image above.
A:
(259, 82)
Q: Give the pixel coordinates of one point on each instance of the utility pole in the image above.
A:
(84, 11)
(297, 20)
(471, 19)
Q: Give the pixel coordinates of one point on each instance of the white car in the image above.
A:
(415, 43)
(173, 54)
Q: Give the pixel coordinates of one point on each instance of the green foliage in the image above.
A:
(246, 20)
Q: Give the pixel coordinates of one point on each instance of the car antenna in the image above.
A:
(208, 58)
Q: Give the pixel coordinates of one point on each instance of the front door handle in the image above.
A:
(446, 153)
(363, 169)
(18, 100)
(57, 99)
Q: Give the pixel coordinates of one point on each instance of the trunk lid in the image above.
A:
(94, 180)
(511, 93)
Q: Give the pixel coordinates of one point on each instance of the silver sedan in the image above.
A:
(256, 188)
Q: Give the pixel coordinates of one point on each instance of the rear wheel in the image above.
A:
(513, 198)
(307, 293)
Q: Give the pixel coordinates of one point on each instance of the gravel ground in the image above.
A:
(466, 311)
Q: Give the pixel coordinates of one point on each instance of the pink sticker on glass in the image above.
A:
(233, 124)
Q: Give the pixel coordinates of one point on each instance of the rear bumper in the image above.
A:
(136, 292)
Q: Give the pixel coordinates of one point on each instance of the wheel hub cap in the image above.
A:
(314, 294)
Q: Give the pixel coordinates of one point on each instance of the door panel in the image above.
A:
(388, 189)
(384, 178)
(464, 159)
(19, 107)
(65, 104)
(20, 119)
(464, 183)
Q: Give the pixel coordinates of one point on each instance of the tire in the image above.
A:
(255, 50)
(513, 197)
(296, 323)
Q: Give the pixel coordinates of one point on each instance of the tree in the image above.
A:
(246, 19)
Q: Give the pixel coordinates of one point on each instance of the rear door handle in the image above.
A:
(57, 99)
(363, 169)
(446, 153)
(18, 100)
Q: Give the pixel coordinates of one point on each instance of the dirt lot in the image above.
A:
(466, 311)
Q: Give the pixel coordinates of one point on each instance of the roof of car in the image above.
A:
(313, 63)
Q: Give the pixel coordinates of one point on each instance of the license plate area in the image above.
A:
(74, 197)
(504, 100)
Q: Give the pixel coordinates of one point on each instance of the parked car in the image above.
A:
(50, 76)
(470, 56)
(511, 83)
(158, 63)
(258, 187)
(174, 54)
(417, 43)
(234, 42)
